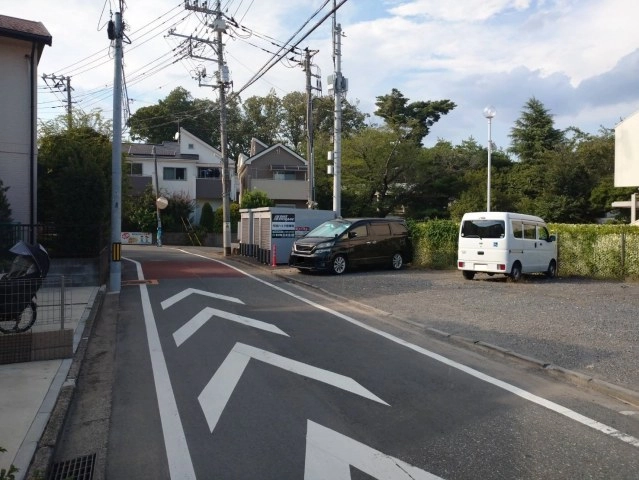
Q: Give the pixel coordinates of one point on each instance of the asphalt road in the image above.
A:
(227, 371)
(579, 324)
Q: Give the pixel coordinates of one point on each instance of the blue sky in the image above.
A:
(580, 58)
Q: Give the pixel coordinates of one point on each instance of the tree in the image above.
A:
(294, 120)
(255, 199)
(5, 207)
(374, 162)
(534, 132)
(207, 218)
(159, 123)
(411, 120)
(264, 117)
(74, 177)
(93, 120)
(140, 215)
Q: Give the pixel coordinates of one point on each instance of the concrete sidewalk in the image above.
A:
(29, 390)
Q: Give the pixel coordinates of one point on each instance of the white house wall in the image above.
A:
(627, 152)
(15, 134)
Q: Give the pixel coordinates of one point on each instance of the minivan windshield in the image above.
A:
(483, 229)
(329, 229)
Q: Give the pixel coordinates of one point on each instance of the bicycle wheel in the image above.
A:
(23, 322)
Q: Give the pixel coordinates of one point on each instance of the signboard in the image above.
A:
(137, 238)
(283, 225)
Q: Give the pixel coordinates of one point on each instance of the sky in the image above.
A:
(580, 58)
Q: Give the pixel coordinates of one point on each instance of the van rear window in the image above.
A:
(483, 229)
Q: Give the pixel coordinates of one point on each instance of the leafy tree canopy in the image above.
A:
(534, 132)
(413, 119)
(255, 199)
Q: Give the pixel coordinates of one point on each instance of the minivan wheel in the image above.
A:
(552, 269)
(338, 265)
(397, 261)
(515, 272)
(468, 275)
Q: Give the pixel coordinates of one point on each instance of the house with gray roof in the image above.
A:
(188, 166)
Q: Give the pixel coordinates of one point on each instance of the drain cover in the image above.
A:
(80, 468)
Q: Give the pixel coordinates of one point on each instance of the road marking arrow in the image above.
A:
(330, 454)
(217, 392)
(185, 293)
(182, 334)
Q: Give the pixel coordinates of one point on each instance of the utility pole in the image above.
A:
(116, 33)
(63, 84)
(219, 27)
(222, 81)
(339, 88)
(310, 154)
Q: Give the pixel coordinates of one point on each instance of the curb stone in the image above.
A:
(43, 457)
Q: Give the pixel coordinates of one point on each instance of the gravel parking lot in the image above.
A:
(582, 325)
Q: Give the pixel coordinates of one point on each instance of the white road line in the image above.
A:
(183, 333)
(218, 391)
(330, 454)
(190, 291)
(177, 451)
(577, 417)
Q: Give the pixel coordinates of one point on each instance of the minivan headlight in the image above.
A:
(323, 247)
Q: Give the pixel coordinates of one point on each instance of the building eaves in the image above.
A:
(27, 30)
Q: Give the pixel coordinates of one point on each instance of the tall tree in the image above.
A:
(374, 166)
(294, 106)
(534, 132)
(264, 117)
(412, 120)
(159, 123)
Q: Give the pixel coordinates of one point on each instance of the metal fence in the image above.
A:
(583, 251)
(604, 256)
(59, 304)
(78, 241)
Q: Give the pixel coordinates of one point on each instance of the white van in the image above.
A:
(507, 243)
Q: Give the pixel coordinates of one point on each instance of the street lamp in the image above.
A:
(160, 202)
(489, 113)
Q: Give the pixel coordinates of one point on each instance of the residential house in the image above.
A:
(21, 45)
(188, 166)
(276, 170)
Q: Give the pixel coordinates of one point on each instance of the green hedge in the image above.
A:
(595, 251)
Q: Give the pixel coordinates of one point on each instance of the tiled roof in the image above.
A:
(24, 30)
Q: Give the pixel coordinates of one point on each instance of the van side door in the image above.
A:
(359, 244)
(382, 247)
(530, 258)
(546, 250)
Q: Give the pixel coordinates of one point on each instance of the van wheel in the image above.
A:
(552, 269)
(338, 265)
(515, 272)
(397, 261)
(468, 275)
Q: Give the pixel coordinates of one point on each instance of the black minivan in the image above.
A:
(343, 243)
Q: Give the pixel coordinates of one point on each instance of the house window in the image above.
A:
(191, 146)
(135, 168)
(203, 172)
(174, 173)
(284, 176)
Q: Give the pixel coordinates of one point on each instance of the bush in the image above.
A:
(435, 243)
(207, 218)
(596, 251)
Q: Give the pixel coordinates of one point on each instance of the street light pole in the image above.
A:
(489, 113)
(157, 200)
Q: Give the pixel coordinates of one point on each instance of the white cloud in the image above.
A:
(579, 57)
